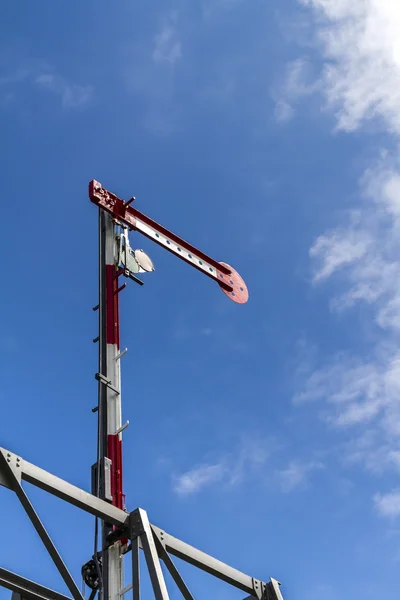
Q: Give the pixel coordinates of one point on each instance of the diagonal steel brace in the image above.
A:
(140, 527)
(169, 563)
(12, 472)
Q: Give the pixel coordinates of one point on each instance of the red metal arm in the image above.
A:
(227, 278)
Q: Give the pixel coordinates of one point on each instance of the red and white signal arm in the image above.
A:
(227, 278)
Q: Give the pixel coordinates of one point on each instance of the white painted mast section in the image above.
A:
(114, 411)
(114, 420)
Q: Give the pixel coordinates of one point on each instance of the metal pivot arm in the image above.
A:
(226, 277)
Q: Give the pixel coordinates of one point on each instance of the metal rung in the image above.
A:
(126, 589)
(130, 275)
(106, 382)
(121, 429)
(121, 354)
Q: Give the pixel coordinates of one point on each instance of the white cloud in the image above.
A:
(388, 505)
(375, 449)
(150, 74)
(283, 111)
(359, 79)
(357, 392)
(338, 249)
(297, 83)
(198, 477)
(366, 248)
(360, 42)
(213, 8)
(230, 469)
(167, 46)
(41, 77)
(297, 473)
(70, 94)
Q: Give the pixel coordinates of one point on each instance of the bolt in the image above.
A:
(8, 455)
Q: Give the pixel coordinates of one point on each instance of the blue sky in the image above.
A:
(267, 135)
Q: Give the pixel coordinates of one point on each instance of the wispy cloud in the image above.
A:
(337, 249)
(298, 82)
(388, 505)
(41, 77)
(230, 469)
(167, 45)
(375, 449)
(357, 392)
(367, 247)
(70, 94)
(198, 477)
(151, 75)
(284, 111)
(297, 473)
(212, 8)
(360, 48)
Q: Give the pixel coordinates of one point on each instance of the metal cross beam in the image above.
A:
(227, 278)
(62, 489)
(28, 589)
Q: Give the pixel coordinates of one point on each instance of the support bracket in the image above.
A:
(10, 469)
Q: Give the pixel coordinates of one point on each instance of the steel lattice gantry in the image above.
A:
(123, 533)
(155, 542)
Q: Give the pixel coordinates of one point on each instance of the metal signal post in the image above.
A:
(118, 532)
(108, 470)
